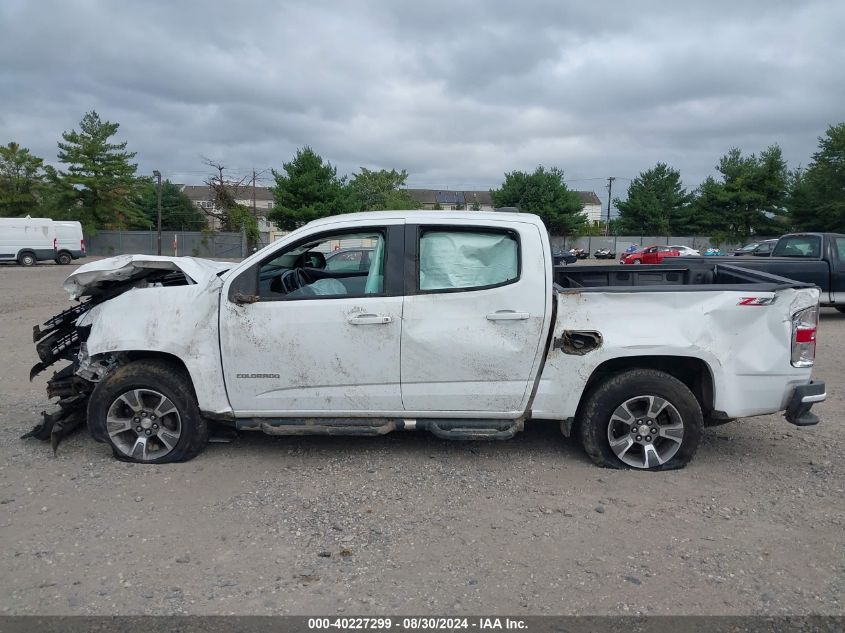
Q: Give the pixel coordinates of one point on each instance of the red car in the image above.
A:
(650, 255)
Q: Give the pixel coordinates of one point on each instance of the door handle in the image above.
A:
(508, 315)
(369, 319)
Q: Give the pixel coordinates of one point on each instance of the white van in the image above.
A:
(27, 240)
(70, 244)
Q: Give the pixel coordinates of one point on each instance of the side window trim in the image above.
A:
(413, 234)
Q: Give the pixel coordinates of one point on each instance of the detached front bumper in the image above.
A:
(803, 398)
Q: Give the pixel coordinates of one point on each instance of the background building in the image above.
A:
(203, 198)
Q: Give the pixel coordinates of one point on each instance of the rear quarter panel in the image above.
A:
(746, 348)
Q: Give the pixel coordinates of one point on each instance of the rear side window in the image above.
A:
(467, 260)
(798, 246)
(840, 248)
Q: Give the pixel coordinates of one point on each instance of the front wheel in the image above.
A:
(147, 411)
(27, 259)
(641, 419)
(637, 261)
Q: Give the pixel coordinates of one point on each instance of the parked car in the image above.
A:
(561, 258)
(161, 348)
(27, 241)
(758, 249)
(713, 252)
(816, 258)
(686, 251)
(649, 255)
(349, 259)
(70, 243)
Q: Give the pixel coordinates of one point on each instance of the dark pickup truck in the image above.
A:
(815, 258)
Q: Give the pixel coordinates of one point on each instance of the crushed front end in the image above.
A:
(63, 337)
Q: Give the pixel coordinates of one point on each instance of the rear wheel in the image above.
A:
(64, 258)
(27, 259)
(641, 419)
(147, 411)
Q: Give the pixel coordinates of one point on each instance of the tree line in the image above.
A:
(751, 194)
(97, 183)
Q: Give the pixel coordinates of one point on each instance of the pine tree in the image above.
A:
(100, 179)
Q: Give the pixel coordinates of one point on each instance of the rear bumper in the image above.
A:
(802, 399)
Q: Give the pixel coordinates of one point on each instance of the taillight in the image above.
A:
(82, 246)
(55, 244)
(804, 325)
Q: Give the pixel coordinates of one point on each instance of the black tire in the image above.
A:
(636, 261)
(156, 376)
(604, 399)
(27, 259)
(841, 309)
(64, 258)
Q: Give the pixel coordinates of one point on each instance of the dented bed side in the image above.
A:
(746, 348)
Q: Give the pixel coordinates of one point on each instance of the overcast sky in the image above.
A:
(455, 92)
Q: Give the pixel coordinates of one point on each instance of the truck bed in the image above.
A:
(681, 276)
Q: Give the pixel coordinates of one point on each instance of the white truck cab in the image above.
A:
(456, 323)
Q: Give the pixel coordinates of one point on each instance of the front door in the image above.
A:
(650, 256)
(474, 316)
(320, 340)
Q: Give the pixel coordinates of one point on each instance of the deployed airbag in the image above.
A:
(465, 259)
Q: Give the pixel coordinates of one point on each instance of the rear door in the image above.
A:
(474, 318)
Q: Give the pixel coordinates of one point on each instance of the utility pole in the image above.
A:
(610, 180)
(254, 212)
(157, 174)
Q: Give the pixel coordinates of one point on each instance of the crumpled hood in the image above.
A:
(87, 279)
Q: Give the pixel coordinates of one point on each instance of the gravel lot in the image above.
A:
(411, 524)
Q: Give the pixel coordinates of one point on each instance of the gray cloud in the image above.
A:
(456, 93)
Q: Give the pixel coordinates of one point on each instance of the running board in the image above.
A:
(471, 429)
(447, 429)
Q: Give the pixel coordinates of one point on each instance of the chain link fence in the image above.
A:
(234, 245)
(183, 243)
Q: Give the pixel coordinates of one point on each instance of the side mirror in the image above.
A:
(315, 260)
(311, 259)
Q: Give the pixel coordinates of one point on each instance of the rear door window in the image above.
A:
(453, 260)
(799, 246)
(840, 248)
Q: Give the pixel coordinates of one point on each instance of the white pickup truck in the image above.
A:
(455, 323)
